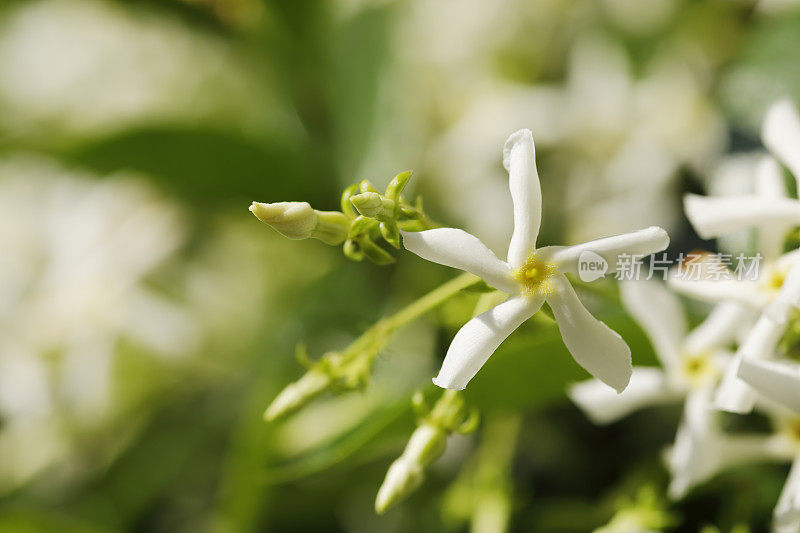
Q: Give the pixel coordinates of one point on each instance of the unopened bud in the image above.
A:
(427, 444)
(398, 183)
(373, 205)
(298, 394)
(298, 220)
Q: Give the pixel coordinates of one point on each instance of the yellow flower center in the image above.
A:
(698, 368)
(773, 279)
(535, 276)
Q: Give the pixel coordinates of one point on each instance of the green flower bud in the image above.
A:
(397, 185)
(427, 444)
(298, 394)
(297, 220)
(294, 220)
(373, 205)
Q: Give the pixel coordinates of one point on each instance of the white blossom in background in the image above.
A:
(77, 253)
(95, 67)
(691, 361)
(692, 364)
(769, 209)
(531, 276)
(761, 342)
(779, 383)
(772, 213)
(702, 449)
(605, 127)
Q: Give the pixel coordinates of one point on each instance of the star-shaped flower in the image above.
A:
(531, 276)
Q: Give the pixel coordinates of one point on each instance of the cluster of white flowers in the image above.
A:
(751, 315)
(723, 364)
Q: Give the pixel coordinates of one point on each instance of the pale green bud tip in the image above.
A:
(298, 394)
(372, 204)
(295, 220)
(426, 444)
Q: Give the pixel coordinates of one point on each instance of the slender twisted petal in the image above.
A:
(595, 346)
(648, 386)
(781, 134)
(721, 326)
(734, 395)
(787, 512)
(519, 158)
(636, 243)
(777, 381)
(712, 216)
(770, 184)
(660, 314)
(480, 337)
(458, 249)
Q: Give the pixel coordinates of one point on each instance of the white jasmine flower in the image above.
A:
(531, 276)
(702, 449)
(769, 209)
(760, 343)
(691, 361)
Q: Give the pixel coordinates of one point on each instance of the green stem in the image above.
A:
(429, 301)
(372, 340)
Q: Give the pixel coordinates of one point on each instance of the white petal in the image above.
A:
(734, 395)
(745, 292)
(480, 337)
(770, 184)
(660, 314)
(648, 386)
(781, 134)
(769, 179)
(636, 243)
(693, 457)
(712, 216)
(519, 158)
(787, 512)
(458, 249)
(722, 326)
(777, 381)
(595, 346)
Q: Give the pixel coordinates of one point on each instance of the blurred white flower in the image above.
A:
(760, 343)
(77, 254)
(691, 361)
(769, 209)
(702, 449)
(622, 139)
(90, 67)
(531, 276)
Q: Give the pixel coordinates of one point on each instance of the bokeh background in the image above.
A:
(147, 319)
